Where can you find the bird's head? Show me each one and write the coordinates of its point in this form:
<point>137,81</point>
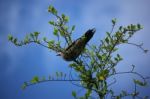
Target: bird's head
<point>64,56</point>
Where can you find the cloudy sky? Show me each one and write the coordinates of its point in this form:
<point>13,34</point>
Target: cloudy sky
<point>19,64</point>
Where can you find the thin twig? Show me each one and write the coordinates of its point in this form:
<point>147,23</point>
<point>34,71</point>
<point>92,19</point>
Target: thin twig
<point>139,46</point>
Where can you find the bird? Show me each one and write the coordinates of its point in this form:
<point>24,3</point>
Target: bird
<point>76,47</point>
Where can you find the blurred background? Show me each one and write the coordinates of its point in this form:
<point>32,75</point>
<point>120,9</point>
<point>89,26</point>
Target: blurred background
<point>19,64</point>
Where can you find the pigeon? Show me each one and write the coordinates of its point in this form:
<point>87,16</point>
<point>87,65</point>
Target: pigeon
<point>77,47</point>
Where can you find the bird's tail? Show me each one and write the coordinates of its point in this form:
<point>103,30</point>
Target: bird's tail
<point>89,34</point>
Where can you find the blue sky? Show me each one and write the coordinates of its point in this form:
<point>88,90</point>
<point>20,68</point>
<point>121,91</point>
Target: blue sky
<point>19,64</point>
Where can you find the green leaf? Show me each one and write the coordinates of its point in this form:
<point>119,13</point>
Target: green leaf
<point>73,27</point>
<point>51,22</point>
<point>140,83</point>
<point>107,40</point>
<point>74,94</point>
<point>66,19</point>
<point>58,43</point>
<point>114,21</point>
<point>63,16</point>
<point>73,65</point>
<point>15,41</point>
<point>31,35</point>
<point>26,40</point>
<point>36,34</point>
<point>52,10</point>
<point>111,92</point>
<point>108,34</point>
<point>102,75</point>
<point>115,49</point>
<point>35,79</point>
<point>133,27</point>
<point>24,85</point>
<point>65,28</point>
<point>51,43</point>
<point>120,28</point>
<point>62,33</point>
<point>88,93</point>
<point>139,26</point>
<point>10,37</point>
<point>116,59</point>
<point>45,39</point>
<point>55,32</point>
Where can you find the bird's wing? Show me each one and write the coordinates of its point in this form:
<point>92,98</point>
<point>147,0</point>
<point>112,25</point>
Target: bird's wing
<point>72,44</point>
<point>82,40</point>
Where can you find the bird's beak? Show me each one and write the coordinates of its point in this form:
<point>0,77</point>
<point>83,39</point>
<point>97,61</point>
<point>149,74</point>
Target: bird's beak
<point>59,54</point>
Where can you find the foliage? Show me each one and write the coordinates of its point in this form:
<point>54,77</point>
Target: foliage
<point>95,65</point>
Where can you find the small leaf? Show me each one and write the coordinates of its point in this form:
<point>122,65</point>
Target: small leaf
<point>73,28</point>
<point>15,41</point>
<point>35,79</point>
<point>24,85</point>
<point>62,33</point>
<point>74,94</point>
<point>120,28</point>
<point>101,78</point>
<point>133,27</point>
<point>31,35</point>
<point>63,16</point>
<point>108,34</point>
<point>36,34</point>
<point>73,65</point>
<point>114,21</point>
<point>139,26</point>
<point>140,83</point>
<point>51,42</point>
<point>45,39</point>
<point>51,22</point>
<point>10,37</point>
<point>26,40</point>
<point>111,92</point>
<point>88,93</point>
<point>107,40</point>
<point>66,28</point>
<point>52,10</point>
<point>55,32</point>
<point>102,75</point>
<point>66,19</point>
<point>129,27</point>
